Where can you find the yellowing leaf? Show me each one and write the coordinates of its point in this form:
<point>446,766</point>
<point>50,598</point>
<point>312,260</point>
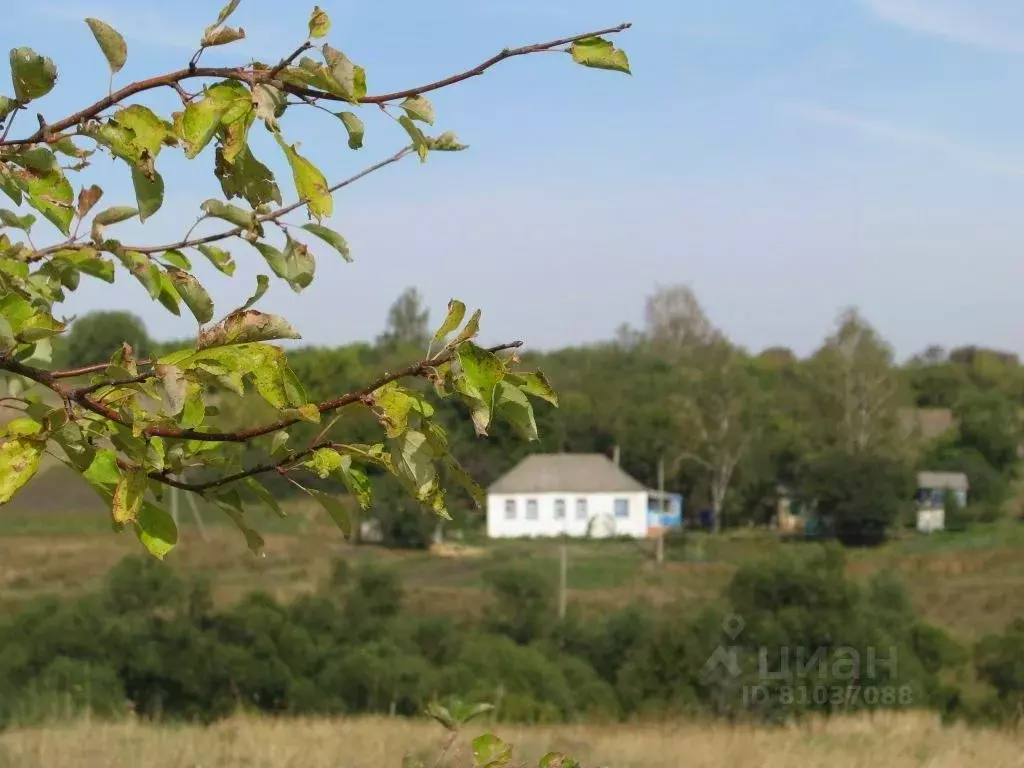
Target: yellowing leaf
<point>221,36</point>
<point>413,458</point>
<point>419,141</point>
<point>456,311</point>
<point>309,182</point>
<point>244,327</point>
<point>42,181</point>
<point>482,370</point>
<point>226,11</point>
<point>262,283</point>
<point>419,108</point>
<point>343,78</point>
<point>511,404</point>
<point>491,752</point>
<point>599,53</point>
<point>231,213</point>
<point>87,198</point>
<point>177,258</point>
<point>536,384</point>
<point>19,461</point>
<point>114,215</point>
<point>111,43</point>
<point>128,496</point>
<point>149,192</point>
<point>323,462</point>
<point>247,178</point>
<point>33,75</point>
<point>319,23</point>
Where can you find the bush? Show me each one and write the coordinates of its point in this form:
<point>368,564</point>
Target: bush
<point>999,661</point>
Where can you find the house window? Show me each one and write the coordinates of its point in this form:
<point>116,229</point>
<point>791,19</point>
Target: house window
<point>581,509</point>
<point>510,509</point>
<point>559,509</point>
<point>531,509</point>
<point>622,507</point>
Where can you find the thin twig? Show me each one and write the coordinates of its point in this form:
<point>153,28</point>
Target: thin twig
<point>286,61</point>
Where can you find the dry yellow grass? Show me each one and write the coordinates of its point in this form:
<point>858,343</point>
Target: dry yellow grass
<point>893,741</point>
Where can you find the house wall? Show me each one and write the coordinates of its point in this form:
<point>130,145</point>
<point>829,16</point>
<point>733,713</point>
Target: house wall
<point>600,512</point>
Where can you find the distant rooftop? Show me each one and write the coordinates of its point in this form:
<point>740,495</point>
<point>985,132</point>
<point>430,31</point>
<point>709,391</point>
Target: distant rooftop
<point>943,481</point>
<point>566,473</point>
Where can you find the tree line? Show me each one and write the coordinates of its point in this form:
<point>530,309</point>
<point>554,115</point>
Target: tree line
<point>844,428</point>
<point>811,641</point>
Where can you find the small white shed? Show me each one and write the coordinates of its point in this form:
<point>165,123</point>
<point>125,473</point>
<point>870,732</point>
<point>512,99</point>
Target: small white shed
<point>932,488</point>
<point>574,494</point>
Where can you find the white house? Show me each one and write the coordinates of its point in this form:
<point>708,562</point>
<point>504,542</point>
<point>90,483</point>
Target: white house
<point>932,488</point>
<point>574,494</point>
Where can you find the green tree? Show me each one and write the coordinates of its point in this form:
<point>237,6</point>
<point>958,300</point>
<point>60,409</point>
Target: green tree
<point>98,335</point>
<point>408,322</point>
<point>133,428</point>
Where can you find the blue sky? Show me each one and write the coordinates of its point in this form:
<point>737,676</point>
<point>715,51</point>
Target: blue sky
<point>786,158</point>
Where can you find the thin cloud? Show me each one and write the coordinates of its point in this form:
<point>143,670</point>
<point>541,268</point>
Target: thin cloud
<point>993,24</point>
<point>962,153</point>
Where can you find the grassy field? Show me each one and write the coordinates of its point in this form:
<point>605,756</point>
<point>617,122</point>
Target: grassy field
<point>895,741</point>
<point>970,582</point>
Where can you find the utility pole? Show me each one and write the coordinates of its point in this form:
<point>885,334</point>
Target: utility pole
<point>660,551</point>
<point>563,576</point>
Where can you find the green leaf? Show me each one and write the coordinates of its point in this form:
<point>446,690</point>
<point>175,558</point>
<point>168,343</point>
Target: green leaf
<point>511,404</point>
<point>262,283</point>
<point>599,53</point>
<point>156,530</point>
<point>440,713</point>
<point>483,370</point>
<point>355,128</point>
<point>22,427</point>
<point>110,42</point>
<point>419,141</point>
<point>128,496</point>
<point>247,178</point>
<point>491,752</point>
<point>19,461</point>
<point>226,11</point>
<point>11,219</point>
<point>413,459</point>
<point>148,134</point>
<point>41,179</point>
<point>466,712</point>
<point>446,142</point>
<point>244,327</point>
<point>323,462</point>
<point>177,258</point>
<point>535,383</point>
<point>7,105</point>
<point>219,258</point>
<point>319,23</point>
<point>472,329</point>
<point>263,495</point>
<point>114,215</point>
<point>274,258</point>
<point>221,36</point>
<point>230,213</point>
<point>418,108</point>
<point>331,237</point>
<point>299,264</point>
<point>225,103</point>
<point>336,509</point>
<point>87,199</point>
<point>149,192</point>
<point>357,482</point>
<point>88,260</point>
<point>192,293</point>
<point>33,75</point>
<point>309,182</point>
<point>456,311</point>
<point>167,292</point>
<point>143,270</point>
<point>231,503</point>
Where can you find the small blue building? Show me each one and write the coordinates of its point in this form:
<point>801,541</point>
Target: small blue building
<point>664,512</point>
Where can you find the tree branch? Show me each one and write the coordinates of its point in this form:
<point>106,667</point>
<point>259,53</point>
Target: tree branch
<point>239,73</point>
<point>81,396</point>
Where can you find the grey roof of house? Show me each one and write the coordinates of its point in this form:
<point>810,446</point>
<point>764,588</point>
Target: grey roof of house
<point>566,473</point>
<point>952,481</point>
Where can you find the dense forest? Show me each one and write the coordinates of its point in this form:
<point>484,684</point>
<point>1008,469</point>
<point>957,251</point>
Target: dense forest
<point>153,644</point>
<point>846,427</point>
